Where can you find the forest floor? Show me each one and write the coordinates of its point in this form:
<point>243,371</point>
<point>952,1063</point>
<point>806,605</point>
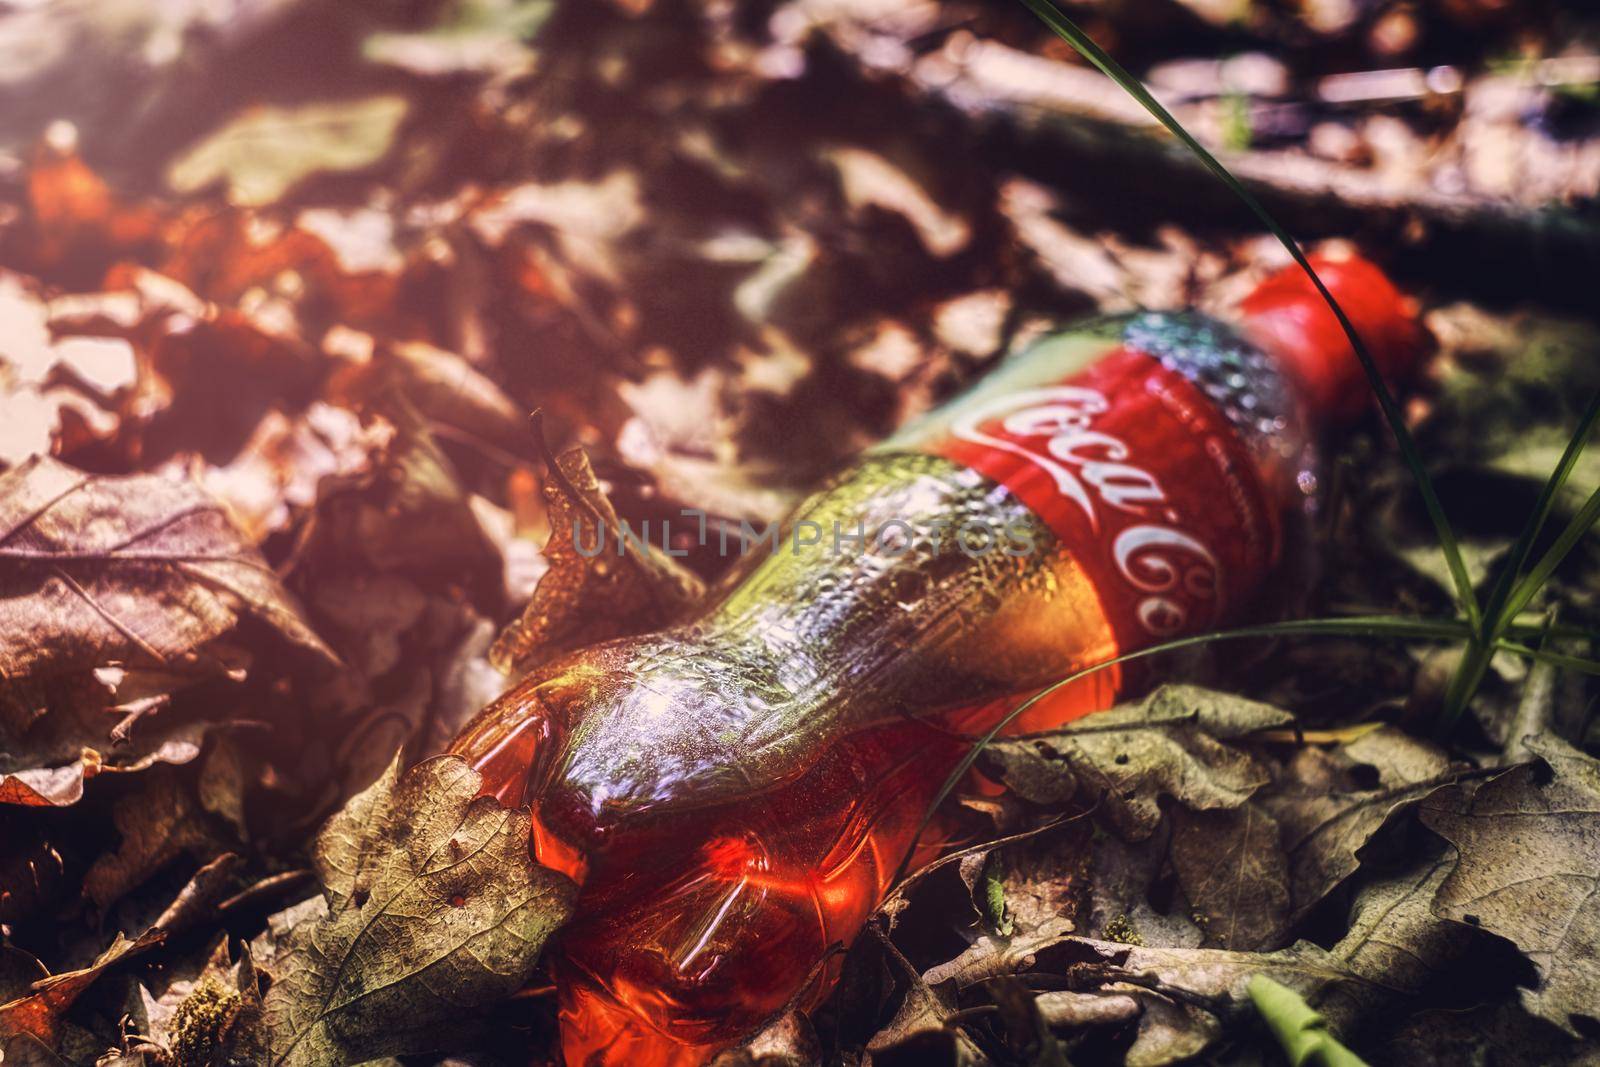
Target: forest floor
<point>281,280</point>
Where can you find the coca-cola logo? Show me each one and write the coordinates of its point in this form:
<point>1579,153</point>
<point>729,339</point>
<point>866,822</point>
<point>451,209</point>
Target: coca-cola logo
<point>1053,429</point>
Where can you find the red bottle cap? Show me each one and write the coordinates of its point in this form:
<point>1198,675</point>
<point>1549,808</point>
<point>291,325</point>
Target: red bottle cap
<point>1290,319</point>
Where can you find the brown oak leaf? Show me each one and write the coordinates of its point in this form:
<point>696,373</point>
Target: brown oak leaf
<point>138,569</point>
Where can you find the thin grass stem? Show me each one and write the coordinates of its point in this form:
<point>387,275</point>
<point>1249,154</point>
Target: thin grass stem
<point>1536,578</point>
<point>1495,614</point>
<point>1070,32</point>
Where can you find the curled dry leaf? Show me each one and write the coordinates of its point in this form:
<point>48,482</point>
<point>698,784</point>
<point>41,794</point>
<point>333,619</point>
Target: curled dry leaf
<point>59,732</point>
<point>1528,869</point>
<point>446,389</point>
<point>1328,818</point>
<point>434,910</point>
<point>1395,939</point>
<point>196,903</point>
<point>37,1014</point>
<point>594,588</point>
<point>921,1026</point>
<point>140,569</point>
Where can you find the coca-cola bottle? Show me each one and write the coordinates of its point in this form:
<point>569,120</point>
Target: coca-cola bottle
<point>736,792</point>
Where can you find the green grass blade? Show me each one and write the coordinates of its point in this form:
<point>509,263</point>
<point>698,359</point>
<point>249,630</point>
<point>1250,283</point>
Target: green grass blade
<point>1572,663</point>
<point>1535,579</point>
<point>1496,617</point>
<point>1069,31</point>
<point>1469,674</point>
<point>1399,627</point>
<point>1563,631</point>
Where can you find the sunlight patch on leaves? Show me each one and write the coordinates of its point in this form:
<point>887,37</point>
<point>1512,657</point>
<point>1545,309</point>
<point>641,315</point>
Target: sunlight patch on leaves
<point>474,36</point>
<point>263,153</point>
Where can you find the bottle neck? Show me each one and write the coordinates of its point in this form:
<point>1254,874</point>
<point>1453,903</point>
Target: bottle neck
<point>1290,316</point>
<point>1298,349</point>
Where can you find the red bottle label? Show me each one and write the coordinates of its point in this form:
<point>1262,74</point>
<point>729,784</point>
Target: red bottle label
<point>1139,475</point>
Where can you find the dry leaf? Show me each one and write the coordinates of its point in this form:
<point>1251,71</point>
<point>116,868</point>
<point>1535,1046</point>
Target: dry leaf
<point>434,910</point>
<point>590,595</point>
<point>1122,880</point>
<point>1187,994</point>
<point>38,1013</point>
<point>1031,893</point>
<point>95,570</point>
<point>71,214</point>
<point>788,1042</point>
<point>408,514</point>
<point>156,824</point>
<point>57,733</point>
<point>449,390</point>
<point>1326,822</point>
<point>1233,870</point>
<point>1529,870</point>
<point>1131,756</point>
<point>919,1029</point>
<point>224,776</point>
<point>1394,938</point>
<point>274,477</point>
<point>1503,1034</point>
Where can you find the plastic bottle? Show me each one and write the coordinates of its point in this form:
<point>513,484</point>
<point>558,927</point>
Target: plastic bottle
<point>735,793</point>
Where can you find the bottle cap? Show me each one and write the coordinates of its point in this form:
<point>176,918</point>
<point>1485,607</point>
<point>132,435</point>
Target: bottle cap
<point>1288,317</point>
